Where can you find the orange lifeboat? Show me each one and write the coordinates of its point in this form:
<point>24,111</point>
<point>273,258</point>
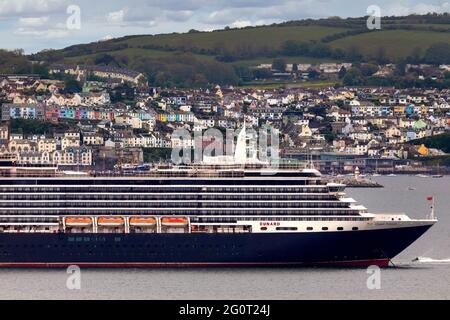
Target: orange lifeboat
<point>78,221</point>
<point>174,222</point>
<point>111,221</point>
<point>142,221</point>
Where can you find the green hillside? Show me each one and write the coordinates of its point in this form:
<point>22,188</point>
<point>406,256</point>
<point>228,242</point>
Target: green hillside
<point>397,44</point>
<point>236,39</point>
<point>223,56</point>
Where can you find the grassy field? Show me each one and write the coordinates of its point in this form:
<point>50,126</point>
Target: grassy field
<point>257,37</point>
<point>397,43</point>
<point>131,53</point>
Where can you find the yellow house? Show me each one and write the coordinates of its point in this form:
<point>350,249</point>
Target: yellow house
<point>423,151</point>
<point>306,131</point>
<point>393,132</point>
<point>399,110</point>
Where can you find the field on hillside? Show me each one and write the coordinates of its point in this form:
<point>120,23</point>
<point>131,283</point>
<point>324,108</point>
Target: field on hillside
<point>397,43</point>
<point>132,54</point>
<point>258,37</point>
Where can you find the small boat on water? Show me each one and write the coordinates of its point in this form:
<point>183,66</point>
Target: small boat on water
<point>411,188</point>
<point>436,176</point>
<point>431,260</point>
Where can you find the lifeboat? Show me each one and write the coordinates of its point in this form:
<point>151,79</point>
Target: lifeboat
<point>142,221</point>
<point>174,222</point>
<point>78,221</point>
<point>111,221</point>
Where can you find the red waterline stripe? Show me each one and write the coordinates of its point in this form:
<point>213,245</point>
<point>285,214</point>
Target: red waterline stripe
<point>354,263</point>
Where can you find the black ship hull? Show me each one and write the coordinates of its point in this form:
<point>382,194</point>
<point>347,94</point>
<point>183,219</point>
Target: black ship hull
<point>344,248</point>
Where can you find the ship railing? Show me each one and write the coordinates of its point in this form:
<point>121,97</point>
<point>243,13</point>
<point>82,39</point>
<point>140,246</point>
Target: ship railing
<point>195,170</point>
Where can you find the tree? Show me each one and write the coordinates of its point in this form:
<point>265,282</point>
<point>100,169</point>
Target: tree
<point>313,74</point>
<point>320,50</point>
<point>105,59</point>
<point>368,69</point>
<point>72,85</point>
<point>354,54</point>
<point>279,64</point>
<point>438,53</point>
<point>14,62</point>
<point>400,68</point>
<point>342,72</point>
<point>40,69</point>
<point>380,55</point>
<point>353,77</point>
<point>261,74</point>
<point>243,72</point>
<point>416,55</point>
<point>290,48</point>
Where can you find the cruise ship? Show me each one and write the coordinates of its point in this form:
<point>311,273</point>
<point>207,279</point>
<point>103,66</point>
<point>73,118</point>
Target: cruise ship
<point>196,216</point>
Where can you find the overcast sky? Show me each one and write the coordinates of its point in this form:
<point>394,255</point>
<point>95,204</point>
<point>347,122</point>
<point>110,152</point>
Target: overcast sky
<point>41,24</point>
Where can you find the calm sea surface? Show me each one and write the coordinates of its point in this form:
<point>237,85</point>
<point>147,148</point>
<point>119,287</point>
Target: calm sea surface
<point>427,279</point>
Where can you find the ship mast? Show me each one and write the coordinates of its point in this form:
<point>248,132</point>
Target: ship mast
<point>432,213</point>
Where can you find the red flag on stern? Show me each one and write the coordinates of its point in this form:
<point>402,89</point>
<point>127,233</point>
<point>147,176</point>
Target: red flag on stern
<point>430,198</point>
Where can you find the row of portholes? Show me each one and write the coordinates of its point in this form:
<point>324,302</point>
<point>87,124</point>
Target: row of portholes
<point>308,229</point>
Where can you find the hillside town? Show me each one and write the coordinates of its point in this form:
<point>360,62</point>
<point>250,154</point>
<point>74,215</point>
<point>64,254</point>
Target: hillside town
<point>117,119</point>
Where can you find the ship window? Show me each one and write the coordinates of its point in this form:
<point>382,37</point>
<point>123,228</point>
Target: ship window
<point>340,228</point>
<point>287,228</point>
<point>355,228</point>
<point>264,229</point>
<point>310,228</point>
<point>324,228</point>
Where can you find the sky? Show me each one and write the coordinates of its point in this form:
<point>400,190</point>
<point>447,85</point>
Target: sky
<point>34,25</point>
